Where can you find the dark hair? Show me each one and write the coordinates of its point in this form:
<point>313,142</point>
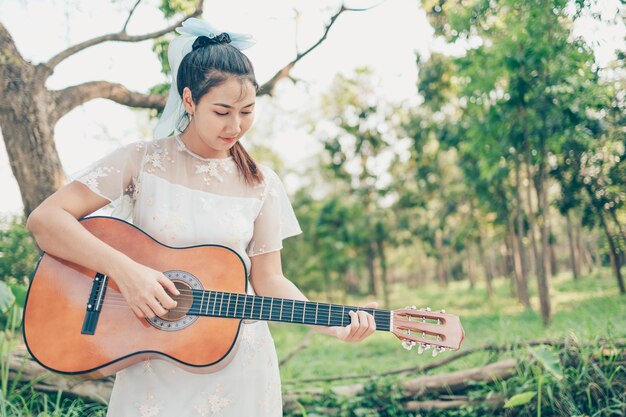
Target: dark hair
<point>211,62</point>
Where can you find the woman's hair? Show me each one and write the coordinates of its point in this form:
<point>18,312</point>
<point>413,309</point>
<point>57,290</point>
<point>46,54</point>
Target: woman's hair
<point>210,63</point>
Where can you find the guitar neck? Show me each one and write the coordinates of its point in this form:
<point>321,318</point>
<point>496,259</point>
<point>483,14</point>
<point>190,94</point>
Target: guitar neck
<point>254,307</point>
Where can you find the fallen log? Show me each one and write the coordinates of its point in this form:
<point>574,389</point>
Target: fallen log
<point>25,370</point>
<point>458,381</point>
<point>614,346</point>
<point>452,382</point>
<point>493,403</point>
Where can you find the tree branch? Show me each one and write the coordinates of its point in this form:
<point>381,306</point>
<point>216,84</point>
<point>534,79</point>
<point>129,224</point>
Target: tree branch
<point>119,36</point>
<point>130,15</point>
<point>74,96</point>
<point>268,87</point>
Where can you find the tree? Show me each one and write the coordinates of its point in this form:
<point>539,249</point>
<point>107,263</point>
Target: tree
<point>361,133</point>
<point>29,110</point>
<point>517,86</point>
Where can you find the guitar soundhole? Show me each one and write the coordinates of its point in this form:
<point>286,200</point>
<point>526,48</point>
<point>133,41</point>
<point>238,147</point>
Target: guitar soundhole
<point>177,318</point>
<point>184,301</point>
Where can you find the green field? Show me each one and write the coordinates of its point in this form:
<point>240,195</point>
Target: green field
<point>585,310</point>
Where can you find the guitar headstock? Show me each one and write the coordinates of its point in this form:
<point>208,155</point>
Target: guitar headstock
<point>427,329</point>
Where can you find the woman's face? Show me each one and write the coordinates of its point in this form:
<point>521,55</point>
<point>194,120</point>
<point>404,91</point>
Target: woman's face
<point>220,118</point>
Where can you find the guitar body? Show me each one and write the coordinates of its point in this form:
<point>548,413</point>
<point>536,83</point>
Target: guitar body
<point>57,299</point>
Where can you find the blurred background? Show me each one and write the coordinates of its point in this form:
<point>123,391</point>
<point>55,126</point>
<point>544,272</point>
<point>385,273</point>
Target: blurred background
<point>461,155</point>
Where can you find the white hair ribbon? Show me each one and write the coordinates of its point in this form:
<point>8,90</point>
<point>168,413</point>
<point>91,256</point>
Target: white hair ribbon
<point>180,46</point>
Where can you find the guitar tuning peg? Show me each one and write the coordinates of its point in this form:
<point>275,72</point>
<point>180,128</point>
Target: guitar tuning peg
<point>420,349</point>
<point>438,350</point>
<point>442,311</point>
<point>413,308</point>
<point>428,309</point>
<point>408,344</point>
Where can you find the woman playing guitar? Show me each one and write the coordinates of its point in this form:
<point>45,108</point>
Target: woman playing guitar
<point>194,186</point>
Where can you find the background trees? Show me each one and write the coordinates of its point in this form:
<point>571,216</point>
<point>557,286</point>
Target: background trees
<point>509,162</point>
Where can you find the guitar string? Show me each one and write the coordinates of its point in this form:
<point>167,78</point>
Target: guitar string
<point>266,317</point>
<point>335,320</point>
<point>120,301</point>
<point>298,309</point>
<point>117,300</point>
<point>117,296</point>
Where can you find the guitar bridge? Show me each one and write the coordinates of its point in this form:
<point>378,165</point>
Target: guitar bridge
<point>94,304</point>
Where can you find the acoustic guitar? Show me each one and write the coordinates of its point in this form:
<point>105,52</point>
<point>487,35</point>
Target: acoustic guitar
<point>77,322</point>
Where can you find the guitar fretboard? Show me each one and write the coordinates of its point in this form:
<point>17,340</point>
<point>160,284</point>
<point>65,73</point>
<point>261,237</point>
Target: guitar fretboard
<point>254,307</point>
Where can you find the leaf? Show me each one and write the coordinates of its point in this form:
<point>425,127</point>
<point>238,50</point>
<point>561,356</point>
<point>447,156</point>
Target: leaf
<point>549,360</point>
<point>6,297</point>
<point>520,399</point>
<point>19,291</point>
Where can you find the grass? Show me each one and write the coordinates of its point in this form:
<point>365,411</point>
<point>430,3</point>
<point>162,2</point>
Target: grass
<point>586,309</point>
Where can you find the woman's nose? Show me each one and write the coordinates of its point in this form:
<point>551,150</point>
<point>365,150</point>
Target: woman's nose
<point>233,127</point>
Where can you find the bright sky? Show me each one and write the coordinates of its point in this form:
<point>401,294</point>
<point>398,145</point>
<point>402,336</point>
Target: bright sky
<point>384,38</point>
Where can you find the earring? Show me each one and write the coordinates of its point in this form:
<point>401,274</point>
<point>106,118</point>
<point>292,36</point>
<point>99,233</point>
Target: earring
<point>190,116</point>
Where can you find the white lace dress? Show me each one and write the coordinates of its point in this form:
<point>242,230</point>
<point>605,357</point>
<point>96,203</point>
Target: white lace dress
<point>182,199</point>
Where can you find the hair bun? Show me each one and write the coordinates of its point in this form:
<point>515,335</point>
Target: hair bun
<point>212,39</point>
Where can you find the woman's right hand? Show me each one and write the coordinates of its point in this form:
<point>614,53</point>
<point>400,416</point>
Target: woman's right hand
<point>143,288</point>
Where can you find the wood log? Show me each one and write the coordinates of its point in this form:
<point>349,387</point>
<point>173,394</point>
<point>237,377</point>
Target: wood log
<point>452,382</point>
<point>493,403</point>
<point>24,369</point>
<point>457,381</point>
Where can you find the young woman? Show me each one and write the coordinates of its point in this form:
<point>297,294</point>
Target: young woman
<point>196,186</point>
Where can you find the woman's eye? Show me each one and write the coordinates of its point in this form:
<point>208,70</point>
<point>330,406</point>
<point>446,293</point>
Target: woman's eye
<point>246,112</point>
<point>221,114</point>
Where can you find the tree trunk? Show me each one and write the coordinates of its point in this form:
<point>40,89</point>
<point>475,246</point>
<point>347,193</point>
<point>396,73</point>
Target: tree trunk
<point>445,262</point>
<point>520,279</point>
<point>537,265</point>
<point>372,288</point>
<point>383,271</point>
<point>471,273</point>
<point>554,265</point>
<point>619,226</point>
<point>595,254</point>
<point>542,282</point>
<point>613,254</point>
<point>520,225</point>
<point>487,267</point>
<point>441,275</point>
<point>585,255</point>
<point>27,117</point>
<point>573,247</point>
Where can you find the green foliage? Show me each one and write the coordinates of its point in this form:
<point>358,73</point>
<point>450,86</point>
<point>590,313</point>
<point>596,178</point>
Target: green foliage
<point>520,399</point>
<point>7,299</point>
<point>591,383</point>
<point>173,7</point>
<point>380,398</point>
<point>18,252</point>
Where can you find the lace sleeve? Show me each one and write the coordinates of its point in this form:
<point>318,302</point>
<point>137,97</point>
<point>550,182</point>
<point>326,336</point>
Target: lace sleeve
<point>276,219</point>
<point>115,177</point>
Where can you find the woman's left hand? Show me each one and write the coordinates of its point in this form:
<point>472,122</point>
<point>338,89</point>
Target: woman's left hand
<point>362,325</point>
